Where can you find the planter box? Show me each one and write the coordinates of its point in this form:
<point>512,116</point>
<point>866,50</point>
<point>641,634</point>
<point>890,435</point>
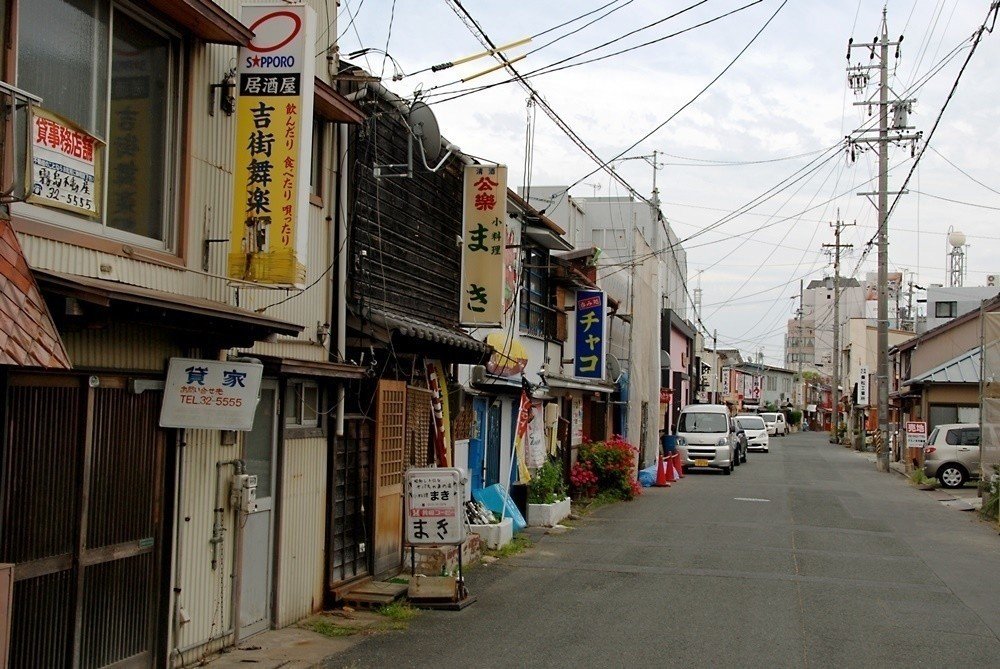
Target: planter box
<point>495,536</point>
<point>548,515</point>
<point>433,560</point>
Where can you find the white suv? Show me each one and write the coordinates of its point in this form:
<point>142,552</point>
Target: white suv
<point>706,437</point>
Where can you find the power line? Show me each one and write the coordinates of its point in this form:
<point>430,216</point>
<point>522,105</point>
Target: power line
<point>987,187</point>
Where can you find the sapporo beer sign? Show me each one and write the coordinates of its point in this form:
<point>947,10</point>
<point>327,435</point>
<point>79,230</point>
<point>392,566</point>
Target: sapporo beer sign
<point>484,226</point>
<point>274,116</point>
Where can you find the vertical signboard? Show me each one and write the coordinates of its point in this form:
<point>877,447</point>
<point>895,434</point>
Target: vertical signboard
<point>591,333</point>
<point>64,165</point>
<point>273,145</point>
<point>863,387</point>
<point>484,227</point>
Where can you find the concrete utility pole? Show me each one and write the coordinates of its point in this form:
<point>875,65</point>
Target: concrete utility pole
<point>717,372</point>
<point>837,226</point>
<point>802,387</point>
<point>858,77</point>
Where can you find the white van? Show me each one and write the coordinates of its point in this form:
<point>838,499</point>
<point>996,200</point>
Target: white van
<point>776,425</point>
<point>706,437</point>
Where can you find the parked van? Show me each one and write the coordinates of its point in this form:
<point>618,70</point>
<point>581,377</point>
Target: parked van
<point>706,437</point>
<point>776,425</point>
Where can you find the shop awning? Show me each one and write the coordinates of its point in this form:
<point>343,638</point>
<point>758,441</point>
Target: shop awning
<point>213,322</point>
<point>334,107</point>
<point>205,19</point>
<point>413,335</point>
<point>314,368</point>
<point>566,383</point>
<point>547,238</point>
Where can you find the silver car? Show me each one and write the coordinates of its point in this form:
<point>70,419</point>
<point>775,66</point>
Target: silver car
<point>952,454</point>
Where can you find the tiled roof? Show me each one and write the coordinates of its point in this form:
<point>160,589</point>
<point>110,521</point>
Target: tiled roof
<point>28,337</point>
<point>960,369</point>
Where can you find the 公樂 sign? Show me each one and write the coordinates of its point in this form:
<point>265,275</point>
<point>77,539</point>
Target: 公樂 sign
<point>484,232</point>
<point>209,394</point>
<point>434,513</point>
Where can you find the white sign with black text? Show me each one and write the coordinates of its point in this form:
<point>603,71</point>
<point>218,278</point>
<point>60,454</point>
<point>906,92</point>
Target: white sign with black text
<point>433,509</point>
<point>863,387</point>
<point>210,394</point>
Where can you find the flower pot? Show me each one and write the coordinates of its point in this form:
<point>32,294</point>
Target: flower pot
<point>496,535</point>
<point>548,515</point>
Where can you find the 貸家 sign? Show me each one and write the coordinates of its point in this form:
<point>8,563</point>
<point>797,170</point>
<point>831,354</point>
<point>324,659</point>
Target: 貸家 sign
<point>210,394</point>
<point>64,165</point>
<point>484,227</point>
<point>433,509</point>
<point>916,434</point>
<point>591,333</point>
<point>274,118</point>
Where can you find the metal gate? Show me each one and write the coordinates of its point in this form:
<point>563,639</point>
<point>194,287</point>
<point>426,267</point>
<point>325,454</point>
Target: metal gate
<point>350,500</point>
<point>81,490</point>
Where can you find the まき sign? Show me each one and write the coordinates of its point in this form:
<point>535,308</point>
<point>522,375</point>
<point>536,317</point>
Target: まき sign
<point>210,394</point>
<point>484,227</point>
<point>64,165</point>
<point>434,501</point>
<point>591,333</point>
<point>274,116</point>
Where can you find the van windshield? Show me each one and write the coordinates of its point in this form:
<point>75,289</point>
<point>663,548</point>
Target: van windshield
<point>694,421</point>
<point>770,417</point>
<point>750,423</point>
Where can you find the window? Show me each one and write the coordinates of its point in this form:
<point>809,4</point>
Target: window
<point>318,155</point>
<point>302,404</point>
<point>692,422</point>
<point>535,313</point>
<point>945,309</point>
<point>65,50</point>
<point>970,436</point>
<point>953,437</point>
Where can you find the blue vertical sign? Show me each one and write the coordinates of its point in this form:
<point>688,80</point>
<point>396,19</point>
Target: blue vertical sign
<point>591,334</point>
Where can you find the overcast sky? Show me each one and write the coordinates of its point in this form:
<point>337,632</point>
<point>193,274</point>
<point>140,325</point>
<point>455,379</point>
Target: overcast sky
<point>786,96</point>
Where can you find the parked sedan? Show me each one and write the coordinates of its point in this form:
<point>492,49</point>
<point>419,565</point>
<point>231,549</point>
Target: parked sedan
<point>756,432</point>
<point>952,454</point>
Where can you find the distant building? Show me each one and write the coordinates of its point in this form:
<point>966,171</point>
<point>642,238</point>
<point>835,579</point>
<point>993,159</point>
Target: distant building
<point>945,302</point>
<point>810,341</point>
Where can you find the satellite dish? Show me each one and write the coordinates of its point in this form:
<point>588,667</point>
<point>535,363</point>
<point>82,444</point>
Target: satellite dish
<point>956,239</point>
<point>614,369</point>
<point>425,129</point>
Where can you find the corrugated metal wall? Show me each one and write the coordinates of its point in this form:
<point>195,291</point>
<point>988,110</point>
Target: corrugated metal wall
<point>303,530</point>
<point>120,346</point>
<point>206,595</point>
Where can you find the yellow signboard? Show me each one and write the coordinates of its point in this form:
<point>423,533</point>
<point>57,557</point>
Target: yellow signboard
<point>273,146</point>
<point>484,225</point>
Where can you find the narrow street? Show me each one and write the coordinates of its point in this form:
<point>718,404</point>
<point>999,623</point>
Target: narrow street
<point>805,557</point>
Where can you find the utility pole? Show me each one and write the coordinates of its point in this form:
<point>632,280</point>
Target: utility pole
<point>837,226</point>
<point>717,372</point>
<point>801,313</point>
<point>858,78</point>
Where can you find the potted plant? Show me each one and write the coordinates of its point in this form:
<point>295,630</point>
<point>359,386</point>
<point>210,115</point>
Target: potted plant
<point>794,419</point>
<point>548,502</point>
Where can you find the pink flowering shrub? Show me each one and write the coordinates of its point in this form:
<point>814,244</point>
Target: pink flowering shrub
<point>606,467</point>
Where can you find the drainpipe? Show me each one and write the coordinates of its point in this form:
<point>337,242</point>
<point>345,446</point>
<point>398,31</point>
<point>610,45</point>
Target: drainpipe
<point>178,534</point>
<point>340,218</point>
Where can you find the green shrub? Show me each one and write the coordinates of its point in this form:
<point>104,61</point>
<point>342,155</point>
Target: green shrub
<point>547,484</point>
<point>794,417</point>
<point>606,467</point>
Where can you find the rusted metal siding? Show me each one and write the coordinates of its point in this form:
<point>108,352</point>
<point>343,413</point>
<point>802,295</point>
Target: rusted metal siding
<point>303,529</point>
<point>205,594</point>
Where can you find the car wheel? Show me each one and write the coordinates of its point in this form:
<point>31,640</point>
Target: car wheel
<point>728,470</point>
<point>743,457</point>
<point>735,458</point>
<point>952,476</point>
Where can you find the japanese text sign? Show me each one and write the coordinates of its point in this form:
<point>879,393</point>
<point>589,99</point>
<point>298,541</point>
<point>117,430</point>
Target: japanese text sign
<point>863,387</point>
<point>434,507</point>
<point>210,394</point>
<point>484,227</point>
<point>64,166</point>
<point>274,119</point>
<point>591,334</point>
<point>916,434</point>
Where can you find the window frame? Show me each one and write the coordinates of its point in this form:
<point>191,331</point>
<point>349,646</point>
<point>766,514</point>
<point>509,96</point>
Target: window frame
<point>299,386</point>
<point>535,318</point>
<point>50,222</point>
<point>318,160</point>
<point>952,306</point>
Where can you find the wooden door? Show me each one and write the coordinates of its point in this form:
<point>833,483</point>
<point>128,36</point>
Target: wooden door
<point>390,443</point>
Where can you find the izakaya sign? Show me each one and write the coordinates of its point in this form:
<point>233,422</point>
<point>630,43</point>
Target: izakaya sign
<point>64,165</point>
<point>591,334</point>
<point>273,145</point>
<point>484,227</point>
<point>434,507</point>
<point>210,394</point>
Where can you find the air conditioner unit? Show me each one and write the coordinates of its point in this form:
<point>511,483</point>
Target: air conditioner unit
<point>993,280</point>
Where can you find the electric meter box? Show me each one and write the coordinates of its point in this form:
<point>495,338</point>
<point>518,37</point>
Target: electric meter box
<point>244,492</point>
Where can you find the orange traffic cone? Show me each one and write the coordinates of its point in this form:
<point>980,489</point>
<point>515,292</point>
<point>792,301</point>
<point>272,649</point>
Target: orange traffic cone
<point>661,473</point>
<point>675,460</point>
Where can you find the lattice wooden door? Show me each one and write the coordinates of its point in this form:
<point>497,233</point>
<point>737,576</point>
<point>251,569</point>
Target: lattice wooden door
<point>390,443</point>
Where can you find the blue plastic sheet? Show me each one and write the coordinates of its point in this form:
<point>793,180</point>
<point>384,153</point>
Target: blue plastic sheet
<point>647,476</point>
<point>496,499</point>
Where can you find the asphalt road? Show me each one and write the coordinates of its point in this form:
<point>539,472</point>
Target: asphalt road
<point>805,557</point>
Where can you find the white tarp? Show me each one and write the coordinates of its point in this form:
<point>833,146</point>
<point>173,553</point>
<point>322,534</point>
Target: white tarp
<point>990,407</point>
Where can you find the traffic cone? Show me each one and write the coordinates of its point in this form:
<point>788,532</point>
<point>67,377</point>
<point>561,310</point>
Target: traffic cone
<point>661,473</point>
<point>675,460</point>
<point>671,472</point>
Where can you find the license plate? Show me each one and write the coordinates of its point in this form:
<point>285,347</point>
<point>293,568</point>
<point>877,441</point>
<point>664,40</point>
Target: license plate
<point>701,463</point>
